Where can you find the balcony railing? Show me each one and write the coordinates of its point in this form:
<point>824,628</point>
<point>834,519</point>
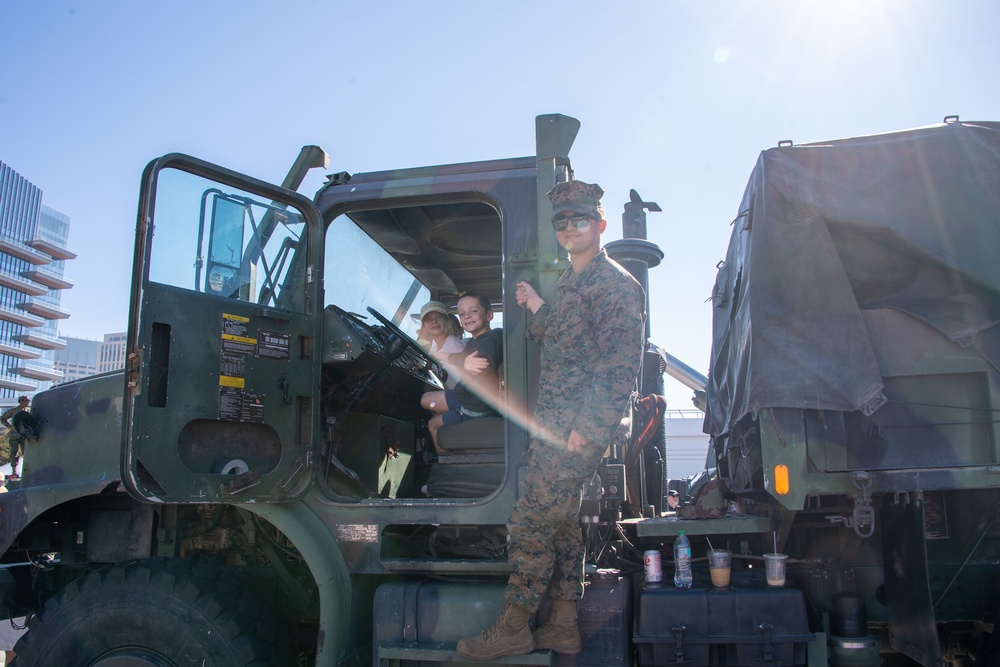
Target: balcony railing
<point>40,340</point>
<point>12,350</point>
<point>55,250</point>
<point>7,382</point>
<point>19,317</point>
<point>36,371</point>
<point>24,252</point>
<point>47,278</point>
<point>45,310</point>
<point>21,285</point>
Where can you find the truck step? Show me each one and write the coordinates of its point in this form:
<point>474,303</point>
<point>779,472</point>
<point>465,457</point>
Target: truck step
<point>391,654</point>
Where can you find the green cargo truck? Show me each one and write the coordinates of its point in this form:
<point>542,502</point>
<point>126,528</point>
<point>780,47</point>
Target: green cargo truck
<point>258,487</point>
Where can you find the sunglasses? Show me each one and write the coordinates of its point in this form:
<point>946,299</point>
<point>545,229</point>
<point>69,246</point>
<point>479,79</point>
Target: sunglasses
<point>580,222</point>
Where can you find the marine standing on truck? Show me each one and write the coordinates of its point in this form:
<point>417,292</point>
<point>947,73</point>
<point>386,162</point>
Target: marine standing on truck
<point>15,440</point>
<point>592,341</point>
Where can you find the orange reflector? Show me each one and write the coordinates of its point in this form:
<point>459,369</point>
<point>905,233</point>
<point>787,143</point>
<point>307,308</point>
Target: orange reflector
<point>781,480</point>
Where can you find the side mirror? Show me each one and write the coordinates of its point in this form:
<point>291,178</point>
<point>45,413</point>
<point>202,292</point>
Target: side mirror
<point>225,246</point>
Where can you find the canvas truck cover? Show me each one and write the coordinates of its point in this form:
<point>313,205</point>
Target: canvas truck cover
<point>908,221</point>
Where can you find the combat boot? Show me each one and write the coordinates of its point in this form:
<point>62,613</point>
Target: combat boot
<point>562,632</point>
<point>510,635</point>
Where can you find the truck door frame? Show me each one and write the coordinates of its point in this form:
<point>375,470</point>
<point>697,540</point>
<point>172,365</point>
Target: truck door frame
<point>174,431</point>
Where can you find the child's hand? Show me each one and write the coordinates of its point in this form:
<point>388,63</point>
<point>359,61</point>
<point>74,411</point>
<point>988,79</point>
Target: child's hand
<point>475,364</point>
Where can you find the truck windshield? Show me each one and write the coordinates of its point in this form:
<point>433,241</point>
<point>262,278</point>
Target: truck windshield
<point>359,273</point>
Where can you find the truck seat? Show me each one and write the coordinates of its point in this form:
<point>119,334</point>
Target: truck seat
<point>483,433</point>
<point>472,461</point>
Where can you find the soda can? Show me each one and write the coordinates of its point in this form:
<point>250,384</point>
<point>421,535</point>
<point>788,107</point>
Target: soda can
<point>653,566</point>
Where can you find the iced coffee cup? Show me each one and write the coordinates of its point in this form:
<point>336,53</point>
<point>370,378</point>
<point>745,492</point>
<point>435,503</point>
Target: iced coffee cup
<point>774,567</point>
<point>719,561</point>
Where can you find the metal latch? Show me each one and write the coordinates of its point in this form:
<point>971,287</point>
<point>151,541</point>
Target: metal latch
<point>133,364</point>
<point>766,651</point>
<point>679,658</point>
<point>862,518</point>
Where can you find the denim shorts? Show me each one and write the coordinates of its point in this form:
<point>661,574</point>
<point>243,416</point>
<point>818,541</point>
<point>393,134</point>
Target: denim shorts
<point>454,414</point>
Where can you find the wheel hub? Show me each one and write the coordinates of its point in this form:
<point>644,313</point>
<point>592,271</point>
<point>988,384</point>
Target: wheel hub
<point>133,656</point>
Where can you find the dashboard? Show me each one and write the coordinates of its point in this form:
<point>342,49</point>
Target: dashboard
<point>359,368</point>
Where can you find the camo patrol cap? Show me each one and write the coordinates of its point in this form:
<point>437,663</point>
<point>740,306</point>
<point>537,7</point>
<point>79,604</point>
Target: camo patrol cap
<point>576,197</point>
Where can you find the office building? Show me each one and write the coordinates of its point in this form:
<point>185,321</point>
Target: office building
<point>33,252</point>
<point>111,353</point>
<point>77,360</point>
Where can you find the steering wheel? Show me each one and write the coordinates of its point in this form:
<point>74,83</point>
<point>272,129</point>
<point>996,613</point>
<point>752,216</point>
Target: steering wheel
<point>412,344</point>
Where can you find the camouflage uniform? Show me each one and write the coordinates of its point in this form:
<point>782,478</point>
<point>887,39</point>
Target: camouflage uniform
<point>12,441</point>
<point>592,338</point>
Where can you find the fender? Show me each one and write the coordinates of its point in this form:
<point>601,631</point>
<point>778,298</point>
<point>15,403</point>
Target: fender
<point>18,508</point>
<point>326,563</point>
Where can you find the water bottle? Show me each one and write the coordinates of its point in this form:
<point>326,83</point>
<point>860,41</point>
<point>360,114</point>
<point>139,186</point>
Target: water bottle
<point>682,561</point>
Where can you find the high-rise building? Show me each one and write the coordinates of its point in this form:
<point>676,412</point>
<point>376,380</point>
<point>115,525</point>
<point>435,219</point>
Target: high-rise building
<point>111,353</point>
<point>78,359</point>
<point>33,251</point>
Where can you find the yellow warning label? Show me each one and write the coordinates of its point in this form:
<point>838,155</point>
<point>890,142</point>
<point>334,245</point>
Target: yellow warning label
<point>230,381</point>
<point>235,325</point>
<point>240,339</point>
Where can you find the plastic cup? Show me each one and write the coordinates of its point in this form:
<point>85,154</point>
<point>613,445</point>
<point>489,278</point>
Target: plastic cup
<point>774,567</point>
<point>719,561</point>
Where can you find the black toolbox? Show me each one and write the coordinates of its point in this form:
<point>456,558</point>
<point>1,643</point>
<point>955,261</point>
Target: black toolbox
<point>749,625</point>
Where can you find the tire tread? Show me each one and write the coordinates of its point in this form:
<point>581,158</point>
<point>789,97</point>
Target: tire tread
<point>219,599</point>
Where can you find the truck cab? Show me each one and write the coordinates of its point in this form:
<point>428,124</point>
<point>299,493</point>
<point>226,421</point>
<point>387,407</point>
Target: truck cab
<point>272,337</point>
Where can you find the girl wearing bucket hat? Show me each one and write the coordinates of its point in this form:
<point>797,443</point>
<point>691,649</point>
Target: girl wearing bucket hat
<point>435,335</point>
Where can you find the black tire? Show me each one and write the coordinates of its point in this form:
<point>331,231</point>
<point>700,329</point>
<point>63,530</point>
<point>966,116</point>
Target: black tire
<point>157,612</point>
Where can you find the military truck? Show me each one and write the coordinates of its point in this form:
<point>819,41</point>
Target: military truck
<point>258,487</point>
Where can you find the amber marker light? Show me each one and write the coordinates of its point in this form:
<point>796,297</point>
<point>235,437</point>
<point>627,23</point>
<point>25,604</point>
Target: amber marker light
<point>781,479</point>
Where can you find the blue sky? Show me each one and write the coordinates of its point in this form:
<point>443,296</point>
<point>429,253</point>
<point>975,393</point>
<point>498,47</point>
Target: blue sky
<point>676,100</point>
